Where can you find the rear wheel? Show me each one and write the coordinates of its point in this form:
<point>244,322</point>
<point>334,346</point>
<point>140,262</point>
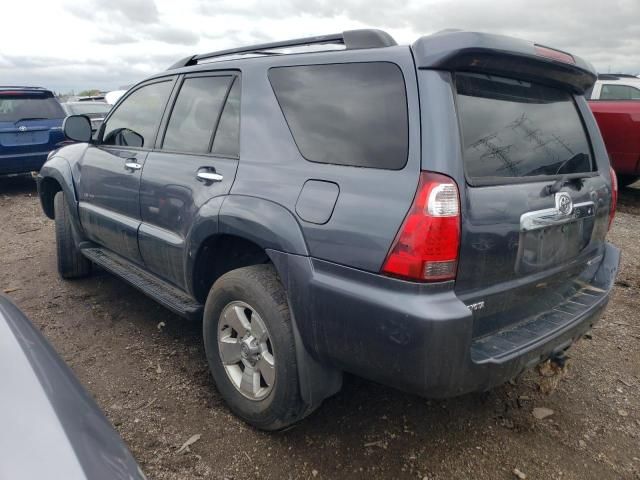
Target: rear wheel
<point>626,180</point>
<point>250,347</point>
<point>71,262</point>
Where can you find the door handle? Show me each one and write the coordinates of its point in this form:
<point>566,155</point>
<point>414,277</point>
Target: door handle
<point>209,176</point>
<point>132,165</point>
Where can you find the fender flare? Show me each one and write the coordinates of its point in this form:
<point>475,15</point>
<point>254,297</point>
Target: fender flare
<point>267,224</point>
<point>58,169</point>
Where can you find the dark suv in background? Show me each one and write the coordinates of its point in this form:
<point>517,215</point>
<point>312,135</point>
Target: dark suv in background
<point>30,127</point>
<point>432,217</point>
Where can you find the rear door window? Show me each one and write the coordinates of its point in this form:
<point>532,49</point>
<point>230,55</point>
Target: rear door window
<point>346,114</point>
<point>513,129</point>
<point>196,113</point>
<point>25,106</point>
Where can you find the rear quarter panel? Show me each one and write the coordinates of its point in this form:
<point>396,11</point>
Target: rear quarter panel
<point>371,204</point>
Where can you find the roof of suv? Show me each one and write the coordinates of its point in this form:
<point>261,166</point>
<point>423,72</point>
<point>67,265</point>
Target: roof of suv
<point>444,50</point>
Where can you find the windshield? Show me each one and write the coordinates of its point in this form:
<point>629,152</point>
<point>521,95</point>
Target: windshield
<point>89,107</point>
<point>28,107</point>
<point>513,128</point>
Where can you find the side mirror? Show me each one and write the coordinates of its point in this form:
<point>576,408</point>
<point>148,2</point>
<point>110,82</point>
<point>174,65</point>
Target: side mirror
<point>77,128</point>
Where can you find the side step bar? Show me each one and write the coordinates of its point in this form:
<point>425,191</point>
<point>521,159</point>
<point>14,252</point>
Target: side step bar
<point>162,292</point>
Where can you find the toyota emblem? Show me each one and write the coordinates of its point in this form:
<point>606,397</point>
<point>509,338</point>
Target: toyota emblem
<point>564,204</point>
<point>22,128</point>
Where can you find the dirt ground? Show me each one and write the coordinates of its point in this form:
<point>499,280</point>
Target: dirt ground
<point>152,381</point>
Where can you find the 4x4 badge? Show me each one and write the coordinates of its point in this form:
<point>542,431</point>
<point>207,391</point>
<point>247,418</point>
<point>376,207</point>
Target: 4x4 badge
<point>564,204</point>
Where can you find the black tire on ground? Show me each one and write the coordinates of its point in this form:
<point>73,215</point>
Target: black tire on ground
<point>259,287</point>
<point>626,180</point>
<point>71,263</point>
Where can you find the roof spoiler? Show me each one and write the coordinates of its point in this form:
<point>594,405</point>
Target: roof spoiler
<point>456,50</point>
<point>351,39</point>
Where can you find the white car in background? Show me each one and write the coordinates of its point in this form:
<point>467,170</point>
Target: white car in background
<point>615,86</point>
<point>112,97</point>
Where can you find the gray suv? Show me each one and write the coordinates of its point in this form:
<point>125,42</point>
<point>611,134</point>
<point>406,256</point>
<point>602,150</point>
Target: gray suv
<point>431,217</point>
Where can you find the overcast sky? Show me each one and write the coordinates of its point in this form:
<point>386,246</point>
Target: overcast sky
<point>81,44</point>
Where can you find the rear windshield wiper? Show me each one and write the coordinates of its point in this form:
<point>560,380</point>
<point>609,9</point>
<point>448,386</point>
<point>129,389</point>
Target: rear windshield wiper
<point>556,186</point>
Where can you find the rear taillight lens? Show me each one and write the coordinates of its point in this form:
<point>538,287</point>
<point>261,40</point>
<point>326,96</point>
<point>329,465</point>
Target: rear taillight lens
<point>614,196</point>
<point>426,247</point>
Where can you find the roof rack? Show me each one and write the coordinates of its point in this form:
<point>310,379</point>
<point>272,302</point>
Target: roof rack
<point>351,39</point>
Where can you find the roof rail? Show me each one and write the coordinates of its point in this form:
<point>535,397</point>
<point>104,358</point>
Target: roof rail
<point>351,39</point>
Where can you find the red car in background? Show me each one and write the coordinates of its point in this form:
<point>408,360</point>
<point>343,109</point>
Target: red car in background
<point>615,102</point>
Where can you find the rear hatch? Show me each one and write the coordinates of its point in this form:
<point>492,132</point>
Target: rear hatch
<point>536,208</point>
<point>30,121</point>
<point>534,182</point>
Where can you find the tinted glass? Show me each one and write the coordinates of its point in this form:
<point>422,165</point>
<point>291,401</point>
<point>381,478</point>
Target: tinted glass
<point>346,114</point>
<point>195,114</point>
<point>619,92</point>
<point>24,107</point>
<point>513,128</point>
<point>227,140</point>
<point>139,113</point>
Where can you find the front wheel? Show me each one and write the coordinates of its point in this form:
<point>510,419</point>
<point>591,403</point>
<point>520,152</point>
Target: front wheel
<point>250,347</point>
<point>71,262</point>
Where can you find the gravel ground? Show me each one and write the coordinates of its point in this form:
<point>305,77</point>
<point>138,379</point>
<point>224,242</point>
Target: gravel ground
<point>147,370</point>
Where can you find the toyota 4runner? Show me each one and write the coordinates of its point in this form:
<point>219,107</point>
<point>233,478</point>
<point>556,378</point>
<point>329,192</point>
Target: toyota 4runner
<point>431,217</point>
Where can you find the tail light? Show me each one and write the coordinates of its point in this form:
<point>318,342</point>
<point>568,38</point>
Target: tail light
<point>426,247</point>
<point>614,196</point>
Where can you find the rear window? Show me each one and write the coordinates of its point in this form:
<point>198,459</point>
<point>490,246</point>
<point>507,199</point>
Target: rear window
<point>16,107</point>
<point>346,114</point>
<point>513,129</point>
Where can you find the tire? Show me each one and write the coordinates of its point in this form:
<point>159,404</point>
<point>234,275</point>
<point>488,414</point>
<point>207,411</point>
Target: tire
<point>71,263</point>
<point>626,180</point>
<point>254,290</point>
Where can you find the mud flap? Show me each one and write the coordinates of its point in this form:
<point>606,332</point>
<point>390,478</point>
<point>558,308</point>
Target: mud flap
<point>317,380</point>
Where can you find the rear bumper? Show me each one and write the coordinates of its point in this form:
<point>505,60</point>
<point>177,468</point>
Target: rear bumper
<point>22,162</point>
<point>419,338</point>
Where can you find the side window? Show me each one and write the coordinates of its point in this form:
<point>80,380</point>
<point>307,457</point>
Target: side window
<point>227,139</point>
<point>619,92</point>
<point>196,113</point>
<point>136,120</point>
<point>346,114</point>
